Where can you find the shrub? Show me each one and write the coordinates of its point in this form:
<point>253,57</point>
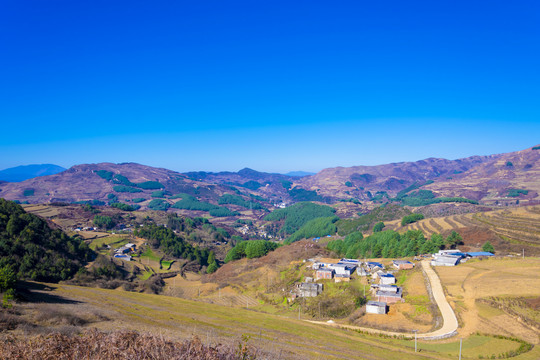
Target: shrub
<point>158,204</point>
<point>128,189</point>
<point>409,219</point>
<point>158,194</point>
<point>104,174</point>
<point>378,227</point>
<point>28,192</point>
<point>150,185</point>
<point>105,222</point>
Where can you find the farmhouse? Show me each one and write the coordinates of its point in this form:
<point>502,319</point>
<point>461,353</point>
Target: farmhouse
<point>402,264</point>
<point>324,273</point>
<point>390,297</point>
<point>373,266</point>
<point>123,250</point>
<point>445,260</point>
<point>387,279</point>
<point>376,307</point>
<point>342,269</point>
<point>309,289</point>
<point>353,262</point>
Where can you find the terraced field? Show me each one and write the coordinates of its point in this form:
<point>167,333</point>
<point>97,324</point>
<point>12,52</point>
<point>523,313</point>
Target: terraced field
<point>512,229</point>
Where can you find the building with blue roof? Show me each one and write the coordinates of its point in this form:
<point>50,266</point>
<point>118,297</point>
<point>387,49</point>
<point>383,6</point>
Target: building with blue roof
<point>479,254</point>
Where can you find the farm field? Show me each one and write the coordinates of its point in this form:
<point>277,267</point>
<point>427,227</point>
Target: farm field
<point>276,336</point>
<point>495,296</point>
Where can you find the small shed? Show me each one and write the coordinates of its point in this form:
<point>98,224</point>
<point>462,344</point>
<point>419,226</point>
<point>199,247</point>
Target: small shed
<point>478,254</point>
<point>388,288</point>
<point>376,307</point>
<point>309,289</point>
<point>362,271</point>
<point>402,264</point>
<point>387,279</point>
<point>324,273</point>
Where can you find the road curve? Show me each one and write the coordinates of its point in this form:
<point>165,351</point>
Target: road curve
<point>450,323</point>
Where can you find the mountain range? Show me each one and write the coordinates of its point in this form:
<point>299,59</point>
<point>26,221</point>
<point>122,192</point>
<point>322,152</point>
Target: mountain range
<point>480,179</point>
<point>25,172</point>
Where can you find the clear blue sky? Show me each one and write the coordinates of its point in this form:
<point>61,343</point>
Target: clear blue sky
<point>275,86</point>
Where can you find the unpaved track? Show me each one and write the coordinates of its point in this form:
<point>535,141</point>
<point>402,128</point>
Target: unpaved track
<point>450,323</point>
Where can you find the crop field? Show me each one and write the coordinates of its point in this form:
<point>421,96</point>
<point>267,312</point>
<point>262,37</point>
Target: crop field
<point>276,336</point>
<point>492,296</point>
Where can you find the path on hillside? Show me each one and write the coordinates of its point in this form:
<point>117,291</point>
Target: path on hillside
<point>450,323</point>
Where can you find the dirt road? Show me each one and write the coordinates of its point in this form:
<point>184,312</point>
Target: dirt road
<point>450,323</point>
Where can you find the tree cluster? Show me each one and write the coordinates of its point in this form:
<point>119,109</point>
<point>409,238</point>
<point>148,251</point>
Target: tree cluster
<point>390,244</point>
<point>315,228</point>
<point>171,244</point>
<point>250,249</point>
<point>295,216</point>
<point>32,250</point>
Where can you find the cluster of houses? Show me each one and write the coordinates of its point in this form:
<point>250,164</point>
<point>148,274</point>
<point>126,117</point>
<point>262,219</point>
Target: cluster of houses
<point>124,252</point>
<point>455,256</point>
<point>386,292</point>
<point>383,287</point>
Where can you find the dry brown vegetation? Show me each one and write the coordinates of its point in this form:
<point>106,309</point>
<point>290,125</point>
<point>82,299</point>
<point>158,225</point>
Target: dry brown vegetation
<point>119,345</point>
<point>485,293</point>
<point>508,230</point>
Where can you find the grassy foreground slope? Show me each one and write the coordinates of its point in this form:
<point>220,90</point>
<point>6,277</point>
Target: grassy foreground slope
<point>272,336</point>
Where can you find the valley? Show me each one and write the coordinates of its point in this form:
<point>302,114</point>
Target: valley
<point>226,257</point>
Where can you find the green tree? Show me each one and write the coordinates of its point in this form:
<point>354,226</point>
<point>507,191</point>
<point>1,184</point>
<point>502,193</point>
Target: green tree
<point>212,268</point>
<point>378,227</point>
<point>453,240</point>
<point>488,247</point>
<point>7,278</point>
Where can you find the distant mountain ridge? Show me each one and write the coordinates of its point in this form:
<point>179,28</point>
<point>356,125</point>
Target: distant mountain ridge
<point>299,173</point>
<point>25,172</point>
<point>493,179</point>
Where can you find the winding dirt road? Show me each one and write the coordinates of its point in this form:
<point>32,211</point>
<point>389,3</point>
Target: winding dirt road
<point>450,323</point>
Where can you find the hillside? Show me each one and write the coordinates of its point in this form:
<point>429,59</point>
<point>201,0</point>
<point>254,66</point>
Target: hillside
<point>494,180</point>
<point>363,182</point>
<point>35,251</point>
<point>137,186</point>
<point>491,180</point>
<point>509,230</point>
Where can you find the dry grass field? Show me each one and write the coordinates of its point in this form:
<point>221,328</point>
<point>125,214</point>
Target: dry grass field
<point>72,309</point>
<point>478,289</point>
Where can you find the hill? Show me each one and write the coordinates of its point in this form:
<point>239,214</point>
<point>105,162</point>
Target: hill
<point>25,172</point>
<point>509,230</point>
<point>501,179</point>
<point>35,251</point>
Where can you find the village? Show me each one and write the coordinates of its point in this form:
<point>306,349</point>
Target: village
<point>381,280</point>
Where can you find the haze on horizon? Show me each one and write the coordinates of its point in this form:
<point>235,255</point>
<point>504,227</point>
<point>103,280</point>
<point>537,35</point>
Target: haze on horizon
<point>275,87</point>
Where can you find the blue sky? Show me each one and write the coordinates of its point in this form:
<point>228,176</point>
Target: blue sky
<point>275,86</point>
